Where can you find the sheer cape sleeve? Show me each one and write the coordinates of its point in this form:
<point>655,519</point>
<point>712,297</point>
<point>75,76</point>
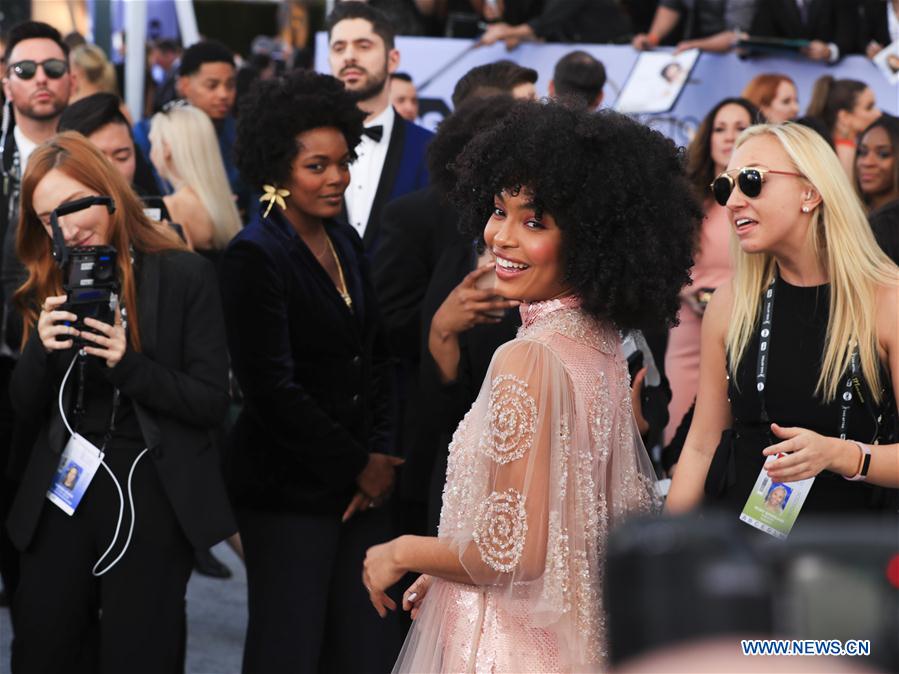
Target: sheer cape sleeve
<point>546,460</point>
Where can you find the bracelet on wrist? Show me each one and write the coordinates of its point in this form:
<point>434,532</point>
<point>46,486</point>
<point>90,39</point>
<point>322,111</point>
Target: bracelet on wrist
<point>653,39</point>
<point>864,463</point>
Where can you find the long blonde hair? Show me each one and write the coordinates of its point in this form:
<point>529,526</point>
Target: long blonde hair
<point>846,249</point>
<point>196,158</point>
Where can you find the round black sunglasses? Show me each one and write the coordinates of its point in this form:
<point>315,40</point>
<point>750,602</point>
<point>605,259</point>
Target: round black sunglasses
<point>749,179</point>
<point>53,68</point>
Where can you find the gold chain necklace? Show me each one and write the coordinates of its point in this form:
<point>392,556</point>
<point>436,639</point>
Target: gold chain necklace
<point>342,288</point>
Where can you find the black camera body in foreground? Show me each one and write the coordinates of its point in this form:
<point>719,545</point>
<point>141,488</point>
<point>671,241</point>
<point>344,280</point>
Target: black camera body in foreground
<point>90,280</point>
<point>90,274</point>
<point>683,580</point>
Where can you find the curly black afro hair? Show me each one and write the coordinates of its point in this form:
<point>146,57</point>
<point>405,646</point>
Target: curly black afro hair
<point>617,190</point>
<point>276,111</point>
<point>454,133</point>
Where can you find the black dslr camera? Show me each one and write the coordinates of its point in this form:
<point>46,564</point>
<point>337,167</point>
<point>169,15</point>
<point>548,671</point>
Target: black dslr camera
<point>89,273</point>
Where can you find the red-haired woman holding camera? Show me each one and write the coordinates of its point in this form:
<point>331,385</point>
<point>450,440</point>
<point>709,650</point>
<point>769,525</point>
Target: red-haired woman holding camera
<point>102,587</point>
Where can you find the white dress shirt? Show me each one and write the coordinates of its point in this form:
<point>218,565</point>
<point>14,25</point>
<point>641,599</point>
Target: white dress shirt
<point>25,146</point>
<point>365,172</point>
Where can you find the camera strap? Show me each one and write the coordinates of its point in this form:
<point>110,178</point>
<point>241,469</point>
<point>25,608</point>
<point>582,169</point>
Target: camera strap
<point>78,410</point>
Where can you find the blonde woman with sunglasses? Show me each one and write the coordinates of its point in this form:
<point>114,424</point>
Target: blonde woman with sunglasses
<point>814,294</point>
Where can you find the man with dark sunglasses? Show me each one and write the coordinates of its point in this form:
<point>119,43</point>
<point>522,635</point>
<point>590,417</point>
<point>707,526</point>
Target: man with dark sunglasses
<point>36,85</point>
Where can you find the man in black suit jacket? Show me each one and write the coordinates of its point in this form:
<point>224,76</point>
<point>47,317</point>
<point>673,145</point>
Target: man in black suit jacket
<point>831,25</point>
<point>391,156</point>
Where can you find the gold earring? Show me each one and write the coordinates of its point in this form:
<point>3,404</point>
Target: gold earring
<point>274,195</point>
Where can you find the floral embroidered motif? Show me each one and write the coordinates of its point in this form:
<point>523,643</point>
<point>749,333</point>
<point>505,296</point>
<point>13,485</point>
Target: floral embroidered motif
<point>511,420</point>
<point>500,529</point>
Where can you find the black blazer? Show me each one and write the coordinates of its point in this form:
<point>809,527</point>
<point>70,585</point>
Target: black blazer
<point>178,385</point>
<point>313,374</point>
<point>828,20</point>
<point>416,229</point>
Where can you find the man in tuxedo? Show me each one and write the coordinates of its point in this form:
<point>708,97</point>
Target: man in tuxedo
<point>830,25</point>
<point>391,156</point>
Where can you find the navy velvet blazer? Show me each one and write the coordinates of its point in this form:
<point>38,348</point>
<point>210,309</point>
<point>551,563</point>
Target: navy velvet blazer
<point>405,170</point>
<point>312,372</point>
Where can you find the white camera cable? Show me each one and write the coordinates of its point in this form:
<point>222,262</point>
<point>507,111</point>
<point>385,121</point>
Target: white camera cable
<point>115,481</point>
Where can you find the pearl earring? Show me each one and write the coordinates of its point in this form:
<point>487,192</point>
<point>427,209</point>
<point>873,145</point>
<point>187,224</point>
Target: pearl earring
<point>805,209</point>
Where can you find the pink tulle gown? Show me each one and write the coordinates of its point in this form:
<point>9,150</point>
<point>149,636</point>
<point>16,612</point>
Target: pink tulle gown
<point>545,462</point>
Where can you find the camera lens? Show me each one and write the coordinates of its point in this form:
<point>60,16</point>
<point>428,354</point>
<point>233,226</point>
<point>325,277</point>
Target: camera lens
<point>103,269</point>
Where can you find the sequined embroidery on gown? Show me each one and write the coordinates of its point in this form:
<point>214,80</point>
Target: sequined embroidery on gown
<point>545,462</point>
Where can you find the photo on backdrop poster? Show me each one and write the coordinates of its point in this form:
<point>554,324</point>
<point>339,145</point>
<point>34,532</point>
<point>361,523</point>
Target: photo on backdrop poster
<point>656,81</point>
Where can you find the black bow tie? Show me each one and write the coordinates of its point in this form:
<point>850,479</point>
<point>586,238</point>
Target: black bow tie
<point>376,133</point>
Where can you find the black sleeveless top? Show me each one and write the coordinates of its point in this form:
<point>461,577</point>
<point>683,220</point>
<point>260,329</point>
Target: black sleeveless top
<point>798,330</point>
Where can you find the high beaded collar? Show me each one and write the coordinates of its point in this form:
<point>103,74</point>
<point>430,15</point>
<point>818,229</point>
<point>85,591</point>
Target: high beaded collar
<point>533,312</point>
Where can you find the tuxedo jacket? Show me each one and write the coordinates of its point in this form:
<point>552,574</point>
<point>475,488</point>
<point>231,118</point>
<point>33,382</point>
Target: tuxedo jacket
<point>833,21</point>
<point>314,374</point>
<point>405,170</point>
<point>177,384</point>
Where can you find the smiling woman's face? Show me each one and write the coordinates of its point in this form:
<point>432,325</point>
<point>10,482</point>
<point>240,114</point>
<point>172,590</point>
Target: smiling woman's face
<point>90,227</point>
<point>320,173</point>
<point>527,246</point>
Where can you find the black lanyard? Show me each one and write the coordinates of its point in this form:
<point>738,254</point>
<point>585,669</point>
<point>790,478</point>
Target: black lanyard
<point>762,364</point>
<point>78,412</point>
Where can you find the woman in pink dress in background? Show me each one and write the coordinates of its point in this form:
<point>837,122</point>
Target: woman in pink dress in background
<point>548,459</point>
<point>707,157</point>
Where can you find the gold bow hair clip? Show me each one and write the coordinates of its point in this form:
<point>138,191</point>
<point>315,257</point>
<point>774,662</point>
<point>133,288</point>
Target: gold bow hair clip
<point>273,195</point>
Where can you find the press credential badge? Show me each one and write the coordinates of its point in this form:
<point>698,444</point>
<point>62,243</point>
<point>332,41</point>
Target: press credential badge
<point>774,506</point>
<point>77,466</point>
